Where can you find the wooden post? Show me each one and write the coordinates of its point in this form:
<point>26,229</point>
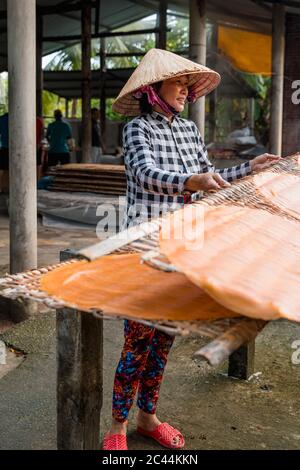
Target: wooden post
<point>79,378</point>
<point>278,41</point>
<point>67,108</point>
<point>103,94</point>
<point>241,362</point>
<point>212,98</point>
<point>161,36</point>
<point>39,64</point>
<point>252,114</point>
<point>21,17</point>
<point>86,80</point>
<point>103,118</point>
<point>197,53</point>
<point>291,107</point>
<point>212,116</point>
<point>235,344</point>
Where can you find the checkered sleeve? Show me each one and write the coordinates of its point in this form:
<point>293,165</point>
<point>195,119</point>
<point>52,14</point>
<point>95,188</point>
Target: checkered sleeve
<point>228,174</point>
<point>140,158</point>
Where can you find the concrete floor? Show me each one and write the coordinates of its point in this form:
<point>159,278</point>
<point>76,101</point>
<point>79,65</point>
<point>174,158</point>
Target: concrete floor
<point>213,411</point>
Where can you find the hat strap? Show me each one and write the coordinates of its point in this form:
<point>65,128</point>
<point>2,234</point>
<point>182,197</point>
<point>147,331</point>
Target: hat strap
<point>154,98</point>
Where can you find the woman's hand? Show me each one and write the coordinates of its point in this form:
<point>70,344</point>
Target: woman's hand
<point>205,182</point>
<point>263,161</point>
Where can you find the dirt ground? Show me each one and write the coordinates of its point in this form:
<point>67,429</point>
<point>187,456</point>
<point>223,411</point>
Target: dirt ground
<point>212,410</point>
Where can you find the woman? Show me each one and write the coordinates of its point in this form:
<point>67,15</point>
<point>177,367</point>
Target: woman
<point>166,166</point>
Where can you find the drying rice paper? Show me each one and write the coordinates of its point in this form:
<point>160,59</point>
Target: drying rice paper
<point>120,284</point>
<point>282,190</point>
<point>246,259</point>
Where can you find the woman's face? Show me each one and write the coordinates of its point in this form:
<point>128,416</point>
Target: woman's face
<point>175,91</point>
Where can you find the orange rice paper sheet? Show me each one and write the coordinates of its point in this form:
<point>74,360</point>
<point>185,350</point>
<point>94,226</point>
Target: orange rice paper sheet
<point>246,259</point>
<point>282,190</point>
<point>122,285</point>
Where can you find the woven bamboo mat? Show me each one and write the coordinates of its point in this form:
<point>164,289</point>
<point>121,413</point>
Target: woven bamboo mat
<point>27,285</point>
<point>241,192</point>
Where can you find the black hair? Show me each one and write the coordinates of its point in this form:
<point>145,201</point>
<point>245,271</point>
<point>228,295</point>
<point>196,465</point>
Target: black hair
<point>58,114</point>
<point>145,106</point>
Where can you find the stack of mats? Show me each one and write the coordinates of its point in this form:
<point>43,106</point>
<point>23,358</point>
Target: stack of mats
<point>92,178</point>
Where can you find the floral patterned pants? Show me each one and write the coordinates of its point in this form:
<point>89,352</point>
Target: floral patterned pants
<point>141,367</point>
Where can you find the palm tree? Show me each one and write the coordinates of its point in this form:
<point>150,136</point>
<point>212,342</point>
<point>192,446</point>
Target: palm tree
<point>70,59</point>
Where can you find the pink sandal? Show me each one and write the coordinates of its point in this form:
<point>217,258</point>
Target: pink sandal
<point>114,442</point>
<point>164,435</point>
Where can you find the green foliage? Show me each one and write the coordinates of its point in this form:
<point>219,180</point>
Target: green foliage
<point>67,59</point>
<point>3,93</point>
<point>51,102</point>
<point>110,114</point>
<point>262,85</point>
<point>178,37</point>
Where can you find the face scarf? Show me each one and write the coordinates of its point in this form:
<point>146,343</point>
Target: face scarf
<point>154,98</point>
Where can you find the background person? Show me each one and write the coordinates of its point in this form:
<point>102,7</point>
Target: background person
<point>59,135</point>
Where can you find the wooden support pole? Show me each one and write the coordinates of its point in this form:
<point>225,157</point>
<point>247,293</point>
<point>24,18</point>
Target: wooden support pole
<point>86,81</point>
<point>79,378</point>
<point>21,15</point>
<point>39,64</point>
<point>103,93</point>
<point>197,53</point>
<point>67,108</point>
<point>291,107</point>
<point>221,348</point>
<point>161,36</point>
<point>278,42</point>
<point>212,116</point>
<point>252,114</point>
<point>212,97</point>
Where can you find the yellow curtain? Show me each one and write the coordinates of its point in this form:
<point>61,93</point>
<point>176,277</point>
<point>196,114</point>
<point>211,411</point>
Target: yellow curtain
<point>247,51</point>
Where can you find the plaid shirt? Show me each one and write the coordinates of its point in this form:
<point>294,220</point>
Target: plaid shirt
<point>159,157</point>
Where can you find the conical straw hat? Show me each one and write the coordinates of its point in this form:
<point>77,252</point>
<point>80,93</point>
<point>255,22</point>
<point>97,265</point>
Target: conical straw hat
<point>158,65</point>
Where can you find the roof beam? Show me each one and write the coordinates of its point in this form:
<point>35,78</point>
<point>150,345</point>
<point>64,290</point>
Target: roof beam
<point>78,19</point>
<point>64,8</point>
<point>104,34</point>
<point>145,3</point>
<point>234,22</point>
<point>262,4</point>
<point>228,11</point>
<point>287,3</point>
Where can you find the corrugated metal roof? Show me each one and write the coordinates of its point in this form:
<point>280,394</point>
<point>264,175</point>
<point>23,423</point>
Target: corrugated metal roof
<point>248,14</point>
<point>114,14</point>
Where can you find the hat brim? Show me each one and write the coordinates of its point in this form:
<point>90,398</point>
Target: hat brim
<point>200,83</point>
